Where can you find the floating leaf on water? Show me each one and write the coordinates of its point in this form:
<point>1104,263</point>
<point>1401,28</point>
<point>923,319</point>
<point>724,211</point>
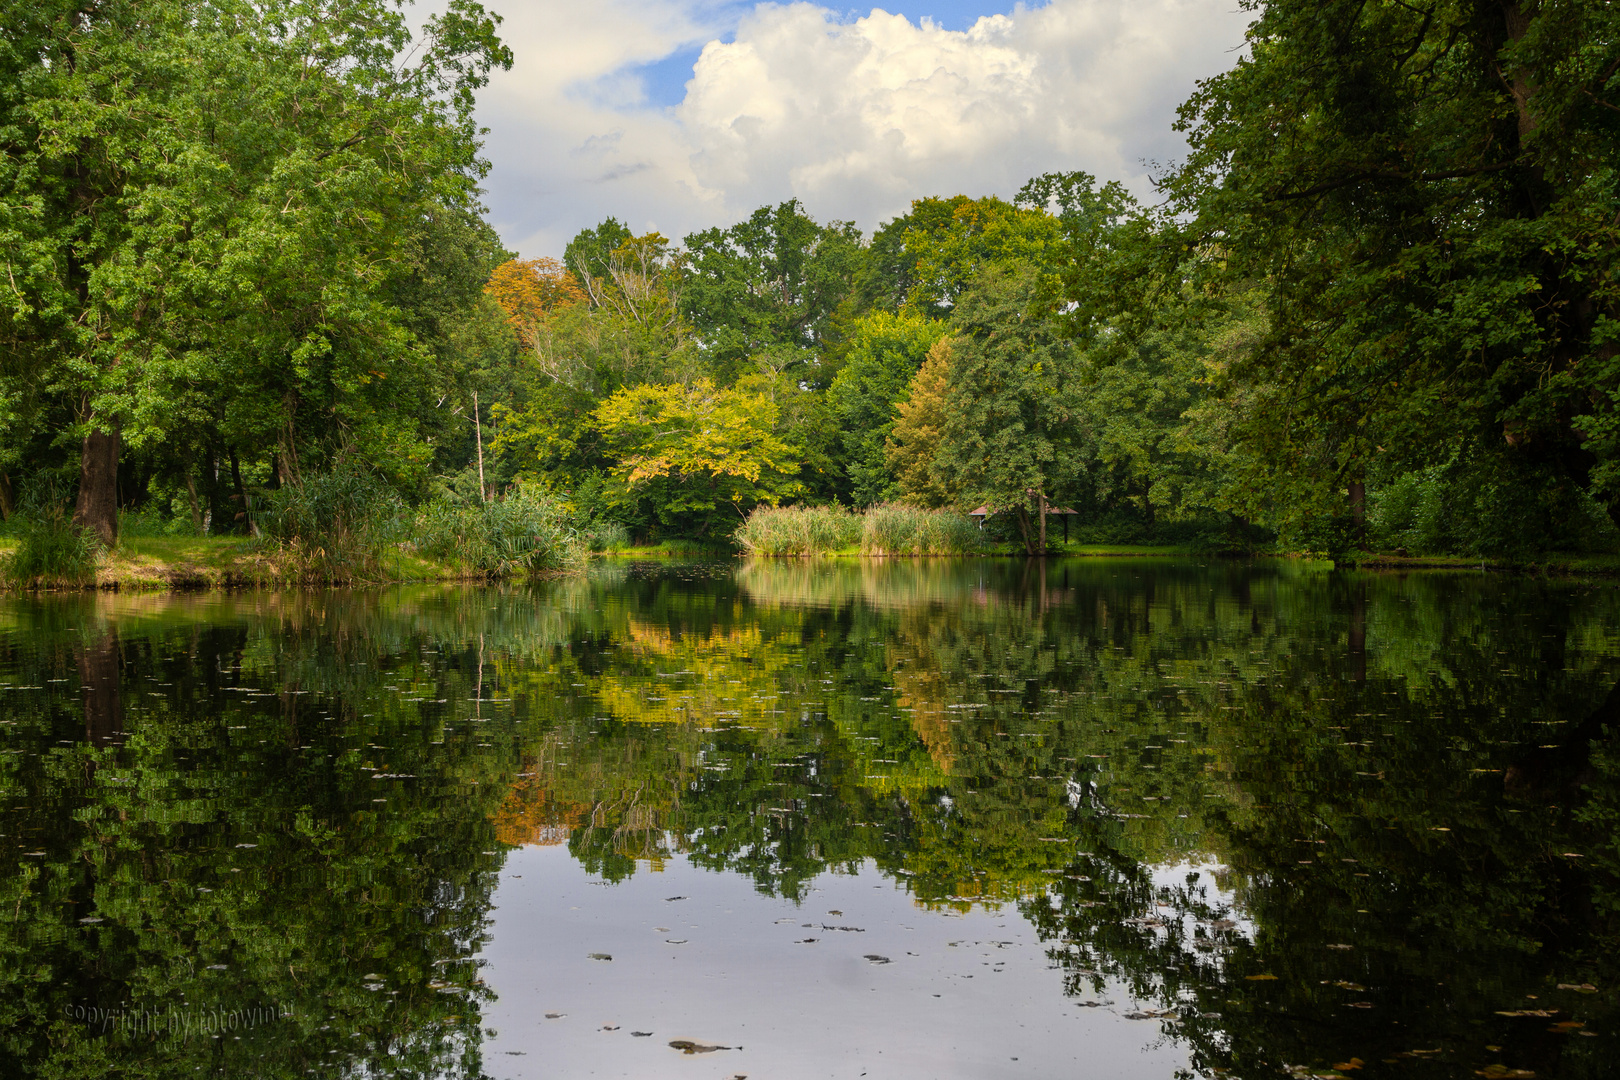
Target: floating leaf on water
<point>641,1034</point>
<point>610,1027</point>
<point>1502,1072</point>
<point>876,959</point>
<point>1261,978</point>
<point>1152,1014</point>
<point>687,1046</point>
<point>1543,1013</point>
<point>555,1016</point>
<point>1579,988</point>
<point>1361,1004</point>
<point>671,899</point>
<point>675,941</point>
<point>1567,1025</point>
<point>1346,1066</point>
<point>806,941</point>
<point>835,912</point>
<point>601,956</point>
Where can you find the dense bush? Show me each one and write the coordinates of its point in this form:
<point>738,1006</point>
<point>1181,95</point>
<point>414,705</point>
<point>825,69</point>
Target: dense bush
<point>1486,508</point>
<point>526,531</point>
<point>896,529</point>
<point>334,526</point>
<point>50,550</point>
<point>798,530</point>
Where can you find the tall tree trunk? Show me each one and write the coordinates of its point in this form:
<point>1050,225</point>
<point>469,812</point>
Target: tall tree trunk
<point>196,510</point>
<point>7,505</point>
<point>97,506</point>
<point>1358,513</point>
<point>1043,522</point>
<point>242,496</point>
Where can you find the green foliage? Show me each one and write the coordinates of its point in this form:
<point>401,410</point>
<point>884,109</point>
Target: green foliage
<point>334,527</point>
<point>798,530</point>
<point>695,450</point>
<point>51,552</point>
<point>883,356</point>
<point>762,294</point>
<point>897,529</point>
<point>1425,197</point>
<point>526,531</point>
<point>1010,436</point>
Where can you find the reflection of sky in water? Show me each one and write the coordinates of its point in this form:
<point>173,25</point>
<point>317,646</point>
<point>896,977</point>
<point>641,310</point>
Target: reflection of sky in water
<point>964,994</point>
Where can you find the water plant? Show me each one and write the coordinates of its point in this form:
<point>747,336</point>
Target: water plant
<point>897,529</point>
<point>798,530</point>
<point>51,551</point>
<point>525,531</point>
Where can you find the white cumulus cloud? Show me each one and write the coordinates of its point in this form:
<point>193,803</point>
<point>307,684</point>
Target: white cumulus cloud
<point>855,119</point>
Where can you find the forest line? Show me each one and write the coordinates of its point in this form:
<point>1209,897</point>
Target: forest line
<point>251,288</point>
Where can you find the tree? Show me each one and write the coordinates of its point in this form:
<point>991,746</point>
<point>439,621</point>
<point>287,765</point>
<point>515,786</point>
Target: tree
<point>694,449</point>
<point>1010,437</point>
<point>884,354</point>
<point>221,195</point>
<point>764,292</point>
<point>1427,194</point>
<point>927,257</point>
<point>919,423</point>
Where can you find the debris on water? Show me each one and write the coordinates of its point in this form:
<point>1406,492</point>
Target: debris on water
<point>1261,978</point>
<point>1543,1013</point>
<point>1341,946</point>
<point>641,1034</point>
<point>675,941</point>
<point>806,941</point>
<point>687,1046</point>
<point>555,1016</point>
<point>835,912</point>
<point>1152,1014</point>
<point>846,929</point>
<point>601,956</point>
<point>1579,988</point>
<point>1502,1072</point>
<point>1347,1066</point>
<point>876,959</point>
<point>671,899</point>
<point>610,1027</point>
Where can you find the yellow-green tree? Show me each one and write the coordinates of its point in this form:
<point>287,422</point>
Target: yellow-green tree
<point>699,454</point>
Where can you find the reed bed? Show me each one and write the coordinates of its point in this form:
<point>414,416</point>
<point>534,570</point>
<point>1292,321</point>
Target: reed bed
<point>896,529</point>
<point>786,531</point>
<point>888,529</point>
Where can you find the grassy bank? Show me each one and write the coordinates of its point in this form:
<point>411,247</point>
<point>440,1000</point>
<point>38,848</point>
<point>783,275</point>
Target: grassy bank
<point>345,529</point>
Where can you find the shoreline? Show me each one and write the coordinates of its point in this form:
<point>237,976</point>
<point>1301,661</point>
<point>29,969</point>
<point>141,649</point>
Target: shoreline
<point>223,564</point>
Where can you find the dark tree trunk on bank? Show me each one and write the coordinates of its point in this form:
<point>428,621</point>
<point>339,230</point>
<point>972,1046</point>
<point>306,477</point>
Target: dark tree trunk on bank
<point>7,503</point>
<point>99,679</point>
<point>97,506</point>
<point>1358,513</point>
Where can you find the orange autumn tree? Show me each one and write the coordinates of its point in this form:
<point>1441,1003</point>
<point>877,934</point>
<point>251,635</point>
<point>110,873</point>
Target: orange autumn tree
<point>533,293</point>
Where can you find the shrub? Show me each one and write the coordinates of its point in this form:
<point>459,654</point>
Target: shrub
<point>51,551</point>
<point>896,529</point>
<point>798,530</point>
<point>333,526</point>
<point>526,531</point>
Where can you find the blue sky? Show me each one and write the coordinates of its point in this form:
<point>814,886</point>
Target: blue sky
<point>608,110</point>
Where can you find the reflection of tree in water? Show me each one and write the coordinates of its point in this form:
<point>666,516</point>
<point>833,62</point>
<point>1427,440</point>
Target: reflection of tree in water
<point>981,733</point>
<point>226,869</point>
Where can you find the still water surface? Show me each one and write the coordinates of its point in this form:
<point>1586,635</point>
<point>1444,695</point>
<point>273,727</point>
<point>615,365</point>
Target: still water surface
<point>1095,818</point>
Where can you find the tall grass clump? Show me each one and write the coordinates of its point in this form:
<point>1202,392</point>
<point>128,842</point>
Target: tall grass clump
<point>333,527</point>
<point>524,532</point>
<point>895,529</point>
<point>51,551</point>
<point>798,530</point>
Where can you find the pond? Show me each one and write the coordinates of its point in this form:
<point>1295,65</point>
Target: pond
<point>1114,818</point>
